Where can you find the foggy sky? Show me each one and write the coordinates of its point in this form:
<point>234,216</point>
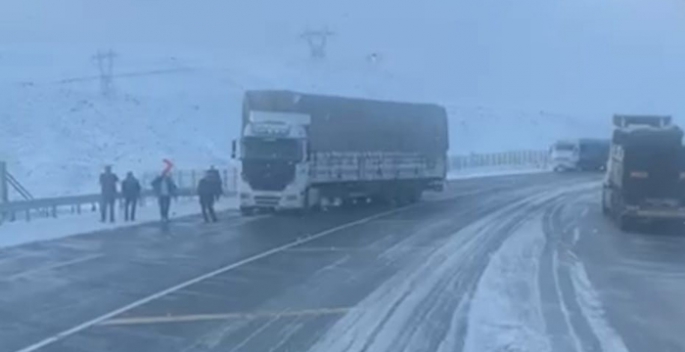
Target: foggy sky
<point>584,57</point>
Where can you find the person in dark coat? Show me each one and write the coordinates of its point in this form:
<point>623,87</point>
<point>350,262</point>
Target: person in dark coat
<point>209,191</point>
<point>130,189</point>
<point>108,192</point>
<point>219,184</point>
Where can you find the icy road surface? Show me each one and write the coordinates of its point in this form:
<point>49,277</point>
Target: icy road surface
<point>516,263</point>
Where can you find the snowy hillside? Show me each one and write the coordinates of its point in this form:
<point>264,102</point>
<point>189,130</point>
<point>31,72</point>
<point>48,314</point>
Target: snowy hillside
<point>181,67</point>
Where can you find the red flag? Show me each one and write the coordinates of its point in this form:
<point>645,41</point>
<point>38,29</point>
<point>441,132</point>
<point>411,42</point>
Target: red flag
<point>168,165</point>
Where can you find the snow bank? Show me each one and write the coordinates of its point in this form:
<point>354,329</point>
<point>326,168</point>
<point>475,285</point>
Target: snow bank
<point>43,229</point>
<point>57,139</point>
<point>592,308</point>
<point>505,312</point>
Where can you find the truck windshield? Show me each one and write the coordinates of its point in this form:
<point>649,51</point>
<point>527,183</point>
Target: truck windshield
<point>272,149</point>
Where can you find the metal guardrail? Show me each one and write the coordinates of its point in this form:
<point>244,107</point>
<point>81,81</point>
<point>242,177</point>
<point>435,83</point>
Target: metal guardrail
<point>49,207</point>
<point>18,187</point>
<point>52,207</point>
<point>535,158</point>
<point>187,183</point>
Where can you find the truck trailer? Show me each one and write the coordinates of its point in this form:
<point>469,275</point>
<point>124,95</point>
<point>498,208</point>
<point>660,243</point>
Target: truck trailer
<point>584,154</point>
<point>645,179</point>
<point>593,154</point>
<point>301,151</point>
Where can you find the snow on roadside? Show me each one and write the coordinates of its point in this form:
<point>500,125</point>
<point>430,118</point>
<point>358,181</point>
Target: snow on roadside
<point>506,313</point>
<point>43,229</point>
<point>591,306</point>
<point>483,172</point>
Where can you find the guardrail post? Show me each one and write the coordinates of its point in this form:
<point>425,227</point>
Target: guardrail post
<point>4,193</point>
<point>4,189</point>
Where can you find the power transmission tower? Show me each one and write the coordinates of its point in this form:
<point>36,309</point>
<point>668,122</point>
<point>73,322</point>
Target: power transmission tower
<point>104,61</point>
<point>317,42</point>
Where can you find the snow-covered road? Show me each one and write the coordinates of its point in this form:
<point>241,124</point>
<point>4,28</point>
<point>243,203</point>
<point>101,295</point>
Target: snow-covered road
<point>515,263</point>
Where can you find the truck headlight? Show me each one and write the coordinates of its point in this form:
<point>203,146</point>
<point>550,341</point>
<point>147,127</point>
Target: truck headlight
<point>291,197</point>
<point>244,196</point>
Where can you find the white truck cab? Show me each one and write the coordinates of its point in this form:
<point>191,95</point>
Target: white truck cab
<point>274,172</point>
<point>564,155</point>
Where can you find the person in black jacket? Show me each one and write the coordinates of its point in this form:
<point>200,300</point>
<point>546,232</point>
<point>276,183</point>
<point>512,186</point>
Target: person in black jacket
<point>108,192</point>
<point>219,184</point>
<point>164,188</point>
<point>130,189</point>
<point>209,191</point>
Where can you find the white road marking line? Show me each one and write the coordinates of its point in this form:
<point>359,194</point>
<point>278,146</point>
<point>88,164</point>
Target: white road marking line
<point>83,326</point>
<point>53,266</point>
<point>221,316</point>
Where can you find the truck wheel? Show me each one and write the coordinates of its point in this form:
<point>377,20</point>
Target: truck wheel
<point>415,196</point>
<point>401,198</point>
<point>605,210</point>
<point>244,211</point>
<point>626,223</point>
<point>348,203</point>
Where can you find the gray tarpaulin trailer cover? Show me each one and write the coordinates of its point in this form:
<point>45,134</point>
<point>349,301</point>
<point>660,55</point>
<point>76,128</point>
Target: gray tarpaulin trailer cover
<point>359,125</point>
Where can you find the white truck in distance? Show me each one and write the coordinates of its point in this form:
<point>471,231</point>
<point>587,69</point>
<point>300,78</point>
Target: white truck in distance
<point>300,151</point>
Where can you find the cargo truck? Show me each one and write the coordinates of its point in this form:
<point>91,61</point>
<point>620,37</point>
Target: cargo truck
<point>301,151</point>
<point>593,154</point>
<point>645,179</point>
<point>584,154</point>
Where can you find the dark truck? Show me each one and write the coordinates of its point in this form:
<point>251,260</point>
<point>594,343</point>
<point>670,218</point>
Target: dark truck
<point>300,151</point>
<point>645,179</point>
<point>593,154</point>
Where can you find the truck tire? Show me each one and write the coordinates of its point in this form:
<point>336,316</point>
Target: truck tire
<point>626,223</point>
<point>245,211</point>
<point>605,210</point>
<point>415,196</point>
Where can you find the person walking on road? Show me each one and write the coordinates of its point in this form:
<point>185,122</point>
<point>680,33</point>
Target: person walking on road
<point>130,189</point>
<point>164,188</point>
<point>218,182</point>
<point>108,192</point>
<point>208,191</point>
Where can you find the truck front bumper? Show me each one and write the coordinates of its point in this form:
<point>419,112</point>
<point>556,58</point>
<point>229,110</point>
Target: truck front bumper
<point>271,200</point>
<point>564,164</point>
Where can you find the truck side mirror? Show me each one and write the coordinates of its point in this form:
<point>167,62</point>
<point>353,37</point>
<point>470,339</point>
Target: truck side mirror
<point>233,149</point>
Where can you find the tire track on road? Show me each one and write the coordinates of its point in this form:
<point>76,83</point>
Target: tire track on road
<point>573,295</point>
<point>396,316</point>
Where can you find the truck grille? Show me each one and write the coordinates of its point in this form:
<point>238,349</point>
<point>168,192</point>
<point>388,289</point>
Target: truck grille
<point>268,175</point>
<point>267,201</point>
